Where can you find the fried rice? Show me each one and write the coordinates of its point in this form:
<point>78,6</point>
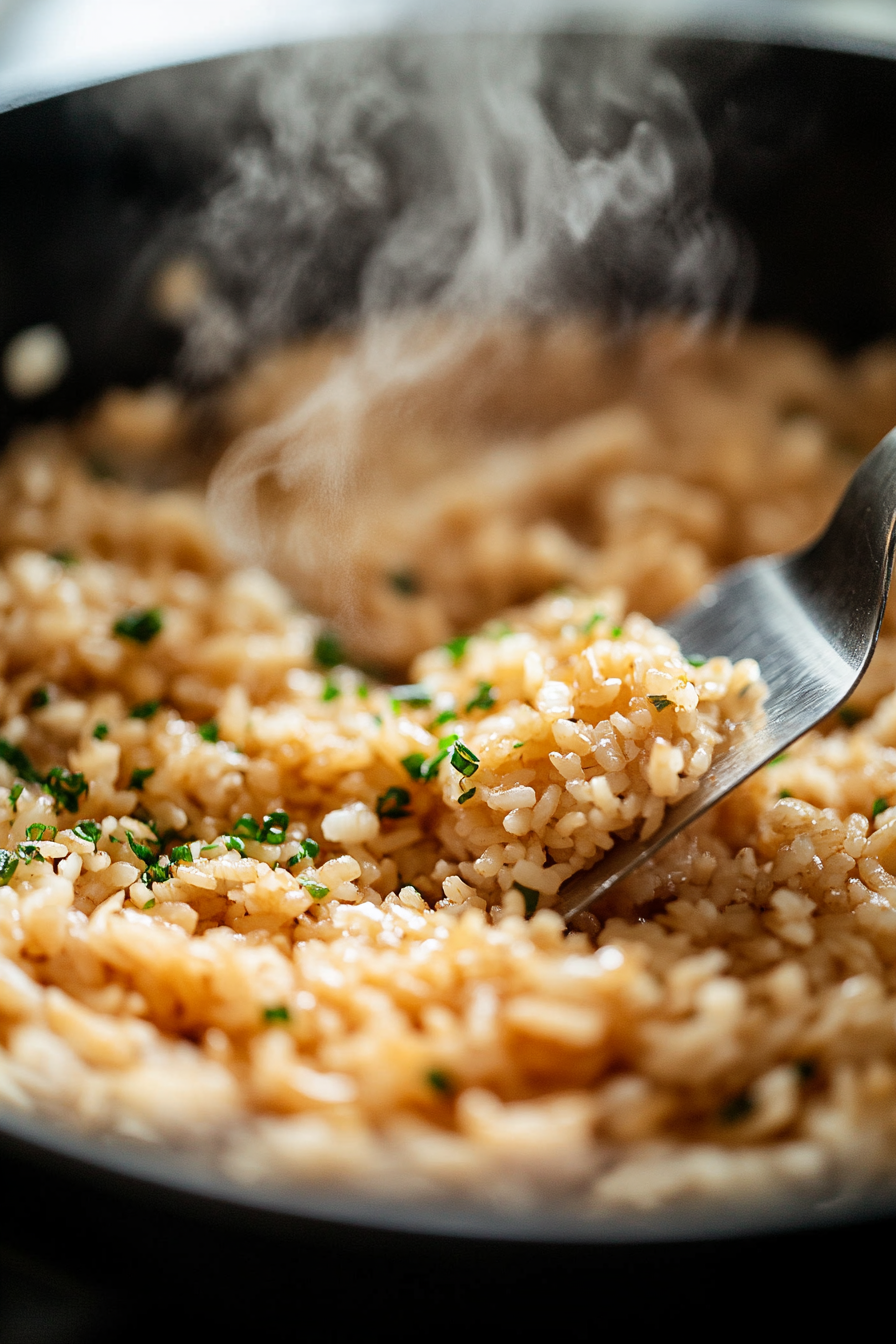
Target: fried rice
<point>261,902</point>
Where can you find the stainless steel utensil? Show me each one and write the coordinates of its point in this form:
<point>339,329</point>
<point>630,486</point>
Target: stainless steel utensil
<point>811,621</point>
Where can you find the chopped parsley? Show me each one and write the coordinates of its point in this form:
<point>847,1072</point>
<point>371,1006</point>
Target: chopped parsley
<point>456,647</point>
<point>88,830</point>
<point>8,864</point>
<point>15,757</point>
<point>696,660</point>
<point>446,716</point>
<point>67,558</point>
<point>146,710</point>
<point>776,760</point>
<point>142,851</point>
<point>518,744</point>
<point>273,828</point>
<point>414,764</point>
<point>785,793</point>
<point>530,896</point>
<point>331,691</point>
<point>235,843</point>
<point>484,698</point>
<point>328,650</point>
<point>140,626</point>
<point>156,872</point>
<point>38,831</point>
<point>850,715</point>
<point>736,1109</point>
<point>30,853</point>
<point>465,797</point>
<point>414,696</point>
<point>309,849</point>
<point>66,787</point>
<point>139,777</point>
<point>659,702</point>
<point>39,698</point>
<point>208,731</point>
<point>440,1081</point>
<point>393,804</point>
<point>464,760</point>
<point>315,889</point>
<point>363,691</point>
<point>616,632</point>
<point>592,622</point>
<point>405,581</point>
<point>880,805</point>
<point>101,732</point>
<point>181,854</point>
<point>148,905</point>
<point>279,1013</point>
<point>15,794</point>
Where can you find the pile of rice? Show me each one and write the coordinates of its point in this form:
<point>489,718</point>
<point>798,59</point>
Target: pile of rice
<point>256,900</point>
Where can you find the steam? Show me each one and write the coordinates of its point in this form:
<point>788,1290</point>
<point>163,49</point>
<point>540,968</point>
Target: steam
<point>481,179</point>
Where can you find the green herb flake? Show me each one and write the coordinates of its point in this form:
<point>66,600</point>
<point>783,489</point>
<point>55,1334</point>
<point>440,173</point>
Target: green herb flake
<point>88,830</point>
<point>146,710</point>
<point>246,826</point>
<point>592,622</point>
<point>15,794</point>
<point>393,804</point>
<point>440,1082</point>
<point>363,691</point>
<point>777,760</point>
<point>148,905</point>
<point>66,787</point>
<point>736,1109</point>
<point>465,797</point>
<point>66,558</point>
<point>235,843</point>
<point>139,777</point>
<point>405,582</point>
<point>456,647</point>
<point>30,853</point>
<point>850,715</point>
<point>331,691</point>
<point>279,1013</point>
<point>518,744</point>
<point>484,698</point>
<point>38,831</point>
<point>139,626</point>
<point>8,864</point>
<point>416,697</point>
<point>273,828</point>
<point>101,732</point>
<point>156,872</point>
<point>209,732</point>
<point>39,698</point>
<point>181,854</point>
<point>659,702</point>
<point>446,716</point>
<point>785,793</point>
<point>15,757</point>
<point>880,805</point>
<point>530,896</point>
<point>142,851</point>
<point>210,849</point>
<point>315,889</point>
<point>414,764</point>
<point>310,849</point>
<point>696,660</point>
<point>328,650</point>
<point>464,760</point>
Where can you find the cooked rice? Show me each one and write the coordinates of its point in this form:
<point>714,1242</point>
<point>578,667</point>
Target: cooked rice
<point>377,991</point>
